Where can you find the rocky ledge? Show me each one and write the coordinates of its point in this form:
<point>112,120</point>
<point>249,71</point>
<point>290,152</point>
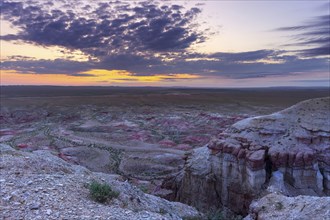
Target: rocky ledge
<point>275,206</point>
<point>287,152</point>
<point>40,185</point>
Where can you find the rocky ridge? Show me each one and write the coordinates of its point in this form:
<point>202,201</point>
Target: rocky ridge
<point>287,152</point>
<point>40,185</point>
<point>276,206</point>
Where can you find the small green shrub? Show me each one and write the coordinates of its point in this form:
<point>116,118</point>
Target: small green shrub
<point>215,215</point>
<point>279,206</point>
<point>144,188</point>
<point>162,211</point>
<point>101,192</point>
<point>192,218</point>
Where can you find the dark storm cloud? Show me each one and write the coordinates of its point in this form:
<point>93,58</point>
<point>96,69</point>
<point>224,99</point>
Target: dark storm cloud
<point>315,35</point>
<point>106,28</point>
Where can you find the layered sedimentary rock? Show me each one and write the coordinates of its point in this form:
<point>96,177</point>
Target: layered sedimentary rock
<point>288,150</point>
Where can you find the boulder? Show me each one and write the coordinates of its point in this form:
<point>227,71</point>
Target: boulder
<point>276,206</point>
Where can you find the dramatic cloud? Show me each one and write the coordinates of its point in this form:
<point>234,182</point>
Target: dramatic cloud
<point>58,66</point>
<point>146,39</point>
<point>246,56</point>
<point>104,28</point>
<point>273,63</point>
<point>314,34</point>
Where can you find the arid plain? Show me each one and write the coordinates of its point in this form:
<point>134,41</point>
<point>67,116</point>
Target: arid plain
<point>142,134</point>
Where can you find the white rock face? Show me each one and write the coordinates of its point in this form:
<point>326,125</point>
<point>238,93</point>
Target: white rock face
<point>289,149</point>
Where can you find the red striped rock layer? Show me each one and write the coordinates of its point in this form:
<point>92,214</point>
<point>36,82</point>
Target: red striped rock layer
<point>237,167</point>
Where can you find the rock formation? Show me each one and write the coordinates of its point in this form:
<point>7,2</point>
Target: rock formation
<point>288,151</point>
<point>276,206</point>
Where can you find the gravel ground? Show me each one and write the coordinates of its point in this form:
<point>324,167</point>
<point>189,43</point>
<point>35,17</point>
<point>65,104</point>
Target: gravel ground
<point>40,185</point>
<point>276,206</point>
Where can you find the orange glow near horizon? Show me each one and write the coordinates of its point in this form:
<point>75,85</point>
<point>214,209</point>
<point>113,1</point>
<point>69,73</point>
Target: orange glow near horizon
<point>122,76</point>
<point>12,77</point>
<point>93,77</point>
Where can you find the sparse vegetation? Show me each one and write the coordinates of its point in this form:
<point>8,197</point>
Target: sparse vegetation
<point>144,188</point>
<point>162,211</point>
<point>215,215</point>
<point>192,218</point>
<point>222,215</point>
<point>101,192</point>
<point>132,139</point>
<point>279,206</point>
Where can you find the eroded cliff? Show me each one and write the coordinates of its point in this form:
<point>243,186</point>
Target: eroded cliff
<point>287,152</point>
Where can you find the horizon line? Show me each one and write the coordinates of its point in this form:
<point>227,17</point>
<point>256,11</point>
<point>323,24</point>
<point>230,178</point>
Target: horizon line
<point>167,87</point>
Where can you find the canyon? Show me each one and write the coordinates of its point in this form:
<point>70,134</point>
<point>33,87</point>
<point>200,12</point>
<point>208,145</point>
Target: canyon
<point>286,152</point>
<point>210,149</point>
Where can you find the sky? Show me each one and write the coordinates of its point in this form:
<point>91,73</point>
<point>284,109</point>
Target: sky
<point>185,43</point>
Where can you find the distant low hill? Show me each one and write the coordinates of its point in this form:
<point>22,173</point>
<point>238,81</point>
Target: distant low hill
<point>53,91</point>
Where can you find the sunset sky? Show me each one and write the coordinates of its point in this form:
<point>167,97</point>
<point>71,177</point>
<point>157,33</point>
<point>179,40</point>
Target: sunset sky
<point>165,43</point>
